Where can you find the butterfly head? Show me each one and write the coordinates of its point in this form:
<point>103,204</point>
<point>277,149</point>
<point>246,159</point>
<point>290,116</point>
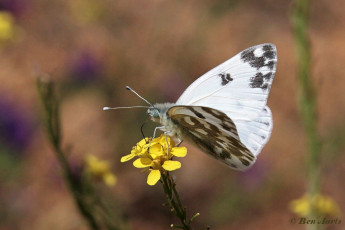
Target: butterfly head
<point>154,113</point>
<point>157,112</point>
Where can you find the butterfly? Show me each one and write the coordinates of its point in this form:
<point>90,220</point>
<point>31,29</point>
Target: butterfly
<point>224,112</point>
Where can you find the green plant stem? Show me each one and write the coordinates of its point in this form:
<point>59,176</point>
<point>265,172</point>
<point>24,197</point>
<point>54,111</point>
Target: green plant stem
<point>174,201</point>
<point>83,208</point>
<point>300,20</point>
<point>52,123</point>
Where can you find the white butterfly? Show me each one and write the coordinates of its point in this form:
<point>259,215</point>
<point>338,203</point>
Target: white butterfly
<point>224,112</point>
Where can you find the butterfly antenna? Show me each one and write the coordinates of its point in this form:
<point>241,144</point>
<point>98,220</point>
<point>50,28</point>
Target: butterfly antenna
<point>142,132</point>
<point>130,89</point>
<point>127,107</point>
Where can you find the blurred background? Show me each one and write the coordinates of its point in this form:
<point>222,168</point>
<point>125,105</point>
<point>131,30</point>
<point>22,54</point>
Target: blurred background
<point>93,49</point>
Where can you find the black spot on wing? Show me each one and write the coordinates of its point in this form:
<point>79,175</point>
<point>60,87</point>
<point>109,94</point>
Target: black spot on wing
<point>267,47</point>
<point>261,81</point>
<point>226,78</point>
<point>268,51</point>
<point>271,65</point>
<point>268,76</point>
<point>258,62</point>
<point>258,57</point>
<point>249,56</point>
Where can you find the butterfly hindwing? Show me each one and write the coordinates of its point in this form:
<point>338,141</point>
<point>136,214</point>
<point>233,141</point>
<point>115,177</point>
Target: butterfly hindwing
<point>213,132</point>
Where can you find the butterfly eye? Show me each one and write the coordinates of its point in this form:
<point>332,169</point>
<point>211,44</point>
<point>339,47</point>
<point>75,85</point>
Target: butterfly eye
<point>153,112</point>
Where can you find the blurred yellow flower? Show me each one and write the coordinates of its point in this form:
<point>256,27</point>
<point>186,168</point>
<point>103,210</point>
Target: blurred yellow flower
<point>7,26</point>
<point>322,205</point>
<point>86,11</point>
<point>99,170</point>
<point>154,156</point>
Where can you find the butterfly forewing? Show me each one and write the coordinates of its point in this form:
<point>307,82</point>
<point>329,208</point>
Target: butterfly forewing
<point>213,132</point>
<point>256,133</point>
<point>239,87</point>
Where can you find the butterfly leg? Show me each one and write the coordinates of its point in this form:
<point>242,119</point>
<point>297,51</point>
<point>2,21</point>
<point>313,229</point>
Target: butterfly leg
<point>154,133</point>
<point>179,142</point>
<point>166,139</point>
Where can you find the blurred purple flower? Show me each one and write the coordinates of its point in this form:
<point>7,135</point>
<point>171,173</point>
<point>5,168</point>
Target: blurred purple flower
<point>254,177</point>
<point>86,67</point>
<point>16,7</point>
<point>76,168</point>
<point>15,127</point>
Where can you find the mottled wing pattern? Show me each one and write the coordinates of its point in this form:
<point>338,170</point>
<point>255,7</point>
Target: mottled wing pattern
<point>238,87</point>
<point>213,132</point>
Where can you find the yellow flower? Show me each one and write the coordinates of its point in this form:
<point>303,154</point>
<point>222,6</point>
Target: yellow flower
<point>100,170</point>
<point>138,150</point>
<point>7,26</point>
<point>154,156</point>
<point>322,205</point>
<point>86,11</point>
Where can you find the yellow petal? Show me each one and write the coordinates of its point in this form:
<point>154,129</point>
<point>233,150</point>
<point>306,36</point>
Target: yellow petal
<point>179,151</point>
<point>325,205</point>
<point>109,179</point>
<point>154,141</point>
<point>142,162</point>
<point>90,158</point>
<point>155,148</point>
<point>156,151</point>
<point>95,166</point>
<point>171,165</point>
<point>153,177</point>
<point>164,141</point>
<point>7,27</point>
<point>143,142</point>
<point>140,147</point>
<point>300,206</point>
<point>127,157</point>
